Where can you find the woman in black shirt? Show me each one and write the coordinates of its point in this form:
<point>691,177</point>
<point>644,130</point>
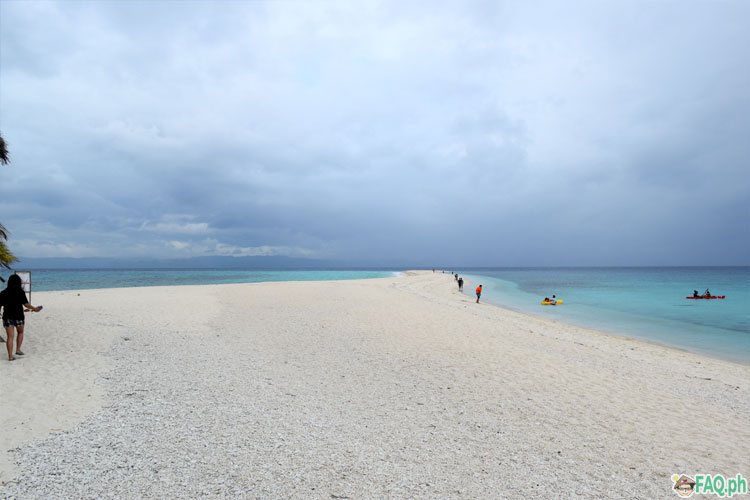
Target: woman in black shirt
<point>13,300</point>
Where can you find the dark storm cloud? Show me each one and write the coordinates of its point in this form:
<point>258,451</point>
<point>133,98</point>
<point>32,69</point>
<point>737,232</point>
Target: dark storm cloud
<point>497,133</point>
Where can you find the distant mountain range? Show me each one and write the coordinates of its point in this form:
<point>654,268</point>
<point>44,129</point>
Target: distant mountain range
<point>209,262</point>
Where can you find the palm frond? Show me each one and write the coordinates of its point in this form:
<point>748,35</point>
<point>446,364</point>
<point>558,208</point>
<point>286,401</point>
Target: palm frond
<point>6,258</point>
<point>4,156</point>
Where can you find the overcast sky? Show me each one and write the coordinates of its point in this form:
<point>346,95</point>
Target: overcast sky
<point>462,133</point>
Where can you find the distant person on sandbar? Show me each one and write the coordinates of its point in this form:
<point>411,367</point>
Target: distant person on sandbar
<point>479,293</point>
<point>12,301</point>
<point>460,284</point>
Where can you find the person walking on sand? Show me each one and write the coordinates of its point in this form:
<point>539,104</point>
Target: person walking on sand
<point>460,284</point>
<point>12,301</point>
<point>479,293</point>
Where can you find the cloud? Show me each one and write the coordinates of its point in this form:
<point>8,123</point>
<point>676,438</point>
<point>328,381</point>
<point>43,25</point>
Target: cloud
<point>480,133</point>
<point>234,251</point>
<point>176,224</point>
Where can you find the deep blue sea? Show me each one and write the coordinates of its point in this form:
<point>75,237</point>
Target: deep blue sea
<point>645,303</point>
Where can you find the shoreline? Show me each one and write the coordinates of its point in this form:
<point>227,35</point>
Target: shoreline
<point>406,273</point>
<point>624,337</point>
<point>588,330</point>
<point>395,387</point>
<point>592,326</point>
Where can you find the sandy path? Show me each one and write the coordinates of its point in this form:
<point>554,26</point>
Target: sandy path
<point>390,388</point>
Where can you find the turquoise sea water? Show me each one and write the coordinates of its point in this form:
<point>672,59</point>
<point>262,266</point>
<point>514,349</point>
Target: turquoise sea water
<point>645,303</point>
<point>84,279</point>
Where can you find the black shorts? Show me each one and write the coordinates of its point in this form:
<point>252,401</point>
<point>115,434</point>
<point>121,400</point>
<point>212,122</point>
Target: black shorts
<point>7,323</point>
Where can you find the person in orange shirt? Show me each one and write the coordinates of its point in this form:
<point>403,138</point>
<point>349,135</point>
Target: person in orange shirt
<point>479,293</point>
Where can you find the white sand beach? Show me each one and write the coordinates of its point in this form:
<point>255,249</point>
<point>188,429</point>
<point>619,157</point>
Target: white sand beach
<point>385,388</point>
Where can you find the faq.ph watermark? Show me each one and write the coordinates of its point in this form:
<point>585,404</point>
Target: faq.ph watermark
<point>707,484</point>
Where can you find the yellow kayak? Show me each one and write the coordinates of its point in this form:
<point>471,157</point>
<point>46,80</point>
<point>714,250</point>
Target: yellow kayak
<point>551,303</point>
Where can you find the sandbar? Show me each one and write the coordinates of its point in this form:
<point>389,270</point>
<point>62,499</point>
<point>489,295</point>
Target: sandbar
<point>382,388</point>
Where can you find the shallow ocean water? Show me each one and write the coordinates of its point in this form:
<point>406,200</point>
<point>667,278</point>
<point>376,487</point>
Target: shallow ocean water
<point>646,303</point>
<point>84,279</point>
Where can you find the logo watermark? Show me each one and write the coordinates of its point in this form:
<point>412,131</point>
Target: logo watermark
<point>705,484</point>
